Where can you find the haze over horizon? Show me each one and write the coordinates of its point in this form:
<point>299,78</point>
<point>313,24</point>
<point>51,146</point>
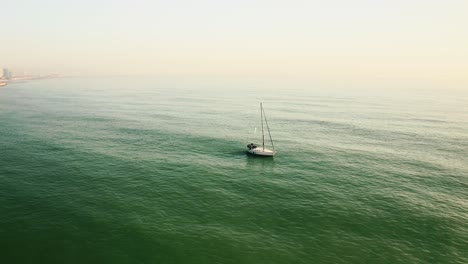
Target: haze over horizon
<point>358,40</point>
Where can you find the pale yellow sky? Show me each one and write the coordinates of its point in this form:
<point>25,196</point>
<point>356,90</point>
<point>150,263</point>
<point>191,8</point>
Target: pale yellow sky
<point>362,39</point>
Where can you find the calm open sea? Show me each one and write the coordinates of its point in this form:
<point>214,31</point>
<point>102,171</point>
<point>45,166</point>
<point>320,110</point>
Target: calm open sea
<point>154,170</point>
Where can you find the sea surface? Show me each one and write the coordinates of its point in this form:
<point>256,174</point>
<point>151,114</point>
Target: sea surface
<point>155,170</point>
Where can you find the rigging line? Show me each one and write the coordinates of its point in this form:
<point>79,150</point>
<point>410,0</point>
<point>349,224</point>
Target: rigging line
<point>268,128</point>
<point>263,134</point>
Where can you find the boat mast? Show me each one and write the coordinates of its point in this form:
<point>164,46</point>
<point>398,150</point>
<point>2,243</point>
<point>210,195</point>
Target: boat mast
<point>263,134</point>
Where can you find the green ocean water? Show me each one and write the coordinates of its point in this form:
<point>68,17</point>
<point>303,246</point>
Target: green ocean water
<point>154,170</point>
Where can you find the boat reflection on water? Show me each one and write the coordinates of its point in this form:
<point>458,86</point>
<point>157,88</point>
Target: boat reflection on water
<point>255,161</point>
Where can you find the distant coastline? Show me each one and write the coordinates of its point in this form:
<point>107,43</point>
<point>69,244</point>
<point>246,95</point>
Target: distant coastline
<point>5,82</point>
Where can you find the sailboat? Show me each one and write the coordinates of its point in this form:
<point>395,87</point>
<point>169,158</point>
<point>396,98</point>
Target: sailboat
<point>261,150</point>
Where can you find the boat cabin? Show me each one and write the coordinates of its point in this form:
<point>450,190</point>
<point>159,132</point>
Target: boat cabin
<point>251,146</point>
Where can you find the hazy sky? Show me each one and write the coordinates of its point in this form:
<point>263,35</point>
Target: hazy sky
<point>421,39</point>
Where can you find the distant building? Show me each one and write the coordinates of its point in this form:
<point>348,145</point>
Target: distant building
<point>7,74</point>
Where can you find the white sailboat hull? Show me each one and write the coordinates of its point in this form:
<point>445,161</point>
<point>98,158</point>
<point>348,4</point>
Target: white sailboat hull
<point>262,152</point>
